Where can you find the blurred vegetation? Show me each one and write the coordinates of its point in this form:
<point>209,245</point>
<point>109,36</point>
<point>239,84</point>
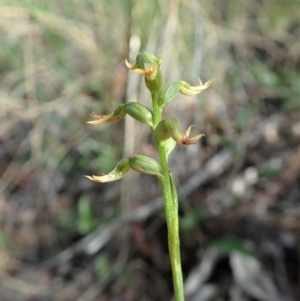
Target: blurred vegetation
<point>60,60</point>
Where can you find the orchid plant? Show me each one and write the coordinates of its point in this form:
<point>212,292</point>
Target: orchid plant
<point>166,134</point>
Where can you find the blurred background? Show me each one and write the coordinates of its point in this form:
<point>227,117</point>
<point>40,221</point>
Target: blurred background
<point>65,238</point>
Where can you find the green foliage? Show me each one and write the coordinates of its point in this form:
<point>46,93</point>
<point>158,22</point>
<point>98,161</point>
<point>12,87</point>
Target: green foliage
<point>65,220</point>
<point>103,267</point>
<point>242,120</point>
<point>6,243</point>
<point>86,221</point>
<point>271,172</point>
<point>292,90</point>
<point>190,219</point>
<point>229,244</point>
<point>265,77</point>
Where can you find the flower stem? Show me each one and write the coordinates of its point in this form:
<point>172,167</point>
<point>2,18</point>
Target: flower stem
<point>171,209</point>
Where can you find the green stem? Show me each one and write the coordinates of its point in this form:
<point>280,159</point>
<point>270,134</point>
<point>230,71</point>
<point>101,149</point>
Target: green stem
<point>171,208</point>
<point>157,111</point>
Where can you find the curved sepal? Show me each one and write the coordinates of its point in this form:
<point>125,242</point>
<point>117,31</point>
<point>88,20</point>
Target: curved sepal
<point>117,173</point>
<point>116,116</point>
<point>139,112</point>
<point>167,93</point>
<point>138,163</point>
<point>188,90</point>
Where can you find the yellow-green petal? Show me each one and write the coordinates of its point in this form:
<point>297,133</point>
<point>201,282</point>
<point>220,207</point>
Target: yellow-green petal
<point>188,90</point>
<point>116,116</point>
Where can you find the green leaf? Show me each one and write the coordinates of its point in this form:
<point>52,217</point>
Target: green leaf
<point>103,267</point>
<point>191,218</point>
<point>86,219</point>
<point>229,244</point>
<point>167,93</point>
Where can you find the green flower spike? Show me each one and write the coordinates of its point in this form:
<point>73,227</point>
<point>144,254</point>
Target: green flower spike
<point>188,90</point>
<point>171,128</point>
<point>166,134</point>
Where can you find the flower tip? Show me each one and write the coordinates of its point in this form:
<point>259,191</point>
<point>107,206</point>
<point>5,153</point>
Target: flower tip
<point>92,122</point>
<point>101,179</point>
<point>94,115</point>
<point>187,133</point>
<point>128,65</point>
<point>185,140</point>
<point>207,84</point>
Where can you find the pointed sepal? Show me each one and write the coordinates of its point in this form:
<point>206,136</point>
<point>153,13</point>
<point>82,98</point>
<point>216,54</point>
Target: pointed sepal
<point>188,90</point>
<point>138,163</point>
<point>116,116</point>
<point>117,173</point>
<point>171,128</point>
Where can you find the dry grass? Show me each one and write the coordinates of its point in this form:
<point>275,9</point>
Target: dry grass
<point>59,60</point>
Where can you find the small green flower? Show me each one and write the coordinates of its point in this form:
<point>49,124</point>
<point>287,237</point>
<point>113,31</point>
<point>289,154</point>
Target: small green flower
<point>116,116</point>
<point>188,90</point>
<point>138,163</point>
<point>147,64</point>
<point>135,110</point>
<point>117,173</point>
<point>171,128</point>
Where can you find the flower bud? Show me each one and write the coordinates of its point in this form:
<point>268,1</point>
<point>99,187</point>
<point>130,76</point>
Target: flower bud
<point>139,112</point>
<point>145,165</point>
